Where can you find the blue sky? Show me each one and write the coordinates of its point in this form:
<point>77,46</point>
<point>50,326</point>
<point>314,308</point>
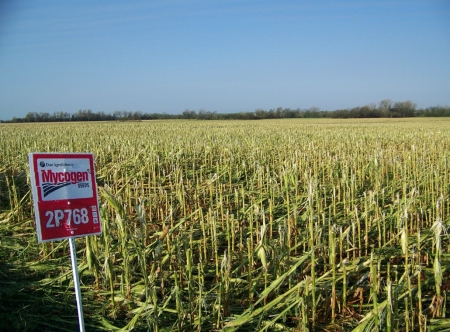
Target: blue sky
<point>224,56</point>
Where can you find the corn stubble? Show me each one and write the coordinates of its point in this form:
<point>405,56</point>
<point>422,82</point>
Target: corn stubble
<point>303,225</point>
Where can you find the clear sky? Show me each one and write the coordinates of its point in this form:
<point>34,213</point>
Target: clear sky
<point>224,56</point>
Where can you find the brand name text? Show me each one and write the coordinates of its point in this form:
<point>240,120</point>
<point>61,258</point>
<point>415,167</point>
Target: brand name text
<point>48,176</point>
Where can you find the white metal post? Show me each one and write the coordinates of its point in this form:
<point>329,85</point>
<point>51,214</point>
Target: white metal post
<point>76,281</point>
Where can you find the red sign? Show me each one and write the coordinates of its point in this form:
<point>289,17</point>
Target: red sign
<point>65,195</point>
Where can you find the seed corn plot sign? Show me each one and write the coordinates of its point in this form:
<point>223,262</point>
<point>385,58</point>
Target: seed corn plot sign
<point>65,195</point>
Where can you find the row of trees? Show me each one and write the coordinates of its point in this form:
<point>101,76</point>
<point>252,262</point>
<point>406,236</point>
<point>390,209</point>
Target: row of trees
<point>89,115</point>
<point>385,109</point>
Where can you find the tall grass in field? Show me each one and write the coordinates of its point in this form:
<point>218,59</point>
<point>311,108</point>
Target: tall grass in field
<point>260,225</point>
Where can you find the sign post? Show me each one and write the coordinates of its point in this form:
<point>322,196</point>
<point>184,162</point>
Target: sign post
<point>76,281</point>
<point>65,202</point>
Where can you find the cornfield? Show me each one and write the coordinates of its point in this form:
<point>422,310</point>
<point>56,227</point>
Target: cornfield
<point>278,225</point>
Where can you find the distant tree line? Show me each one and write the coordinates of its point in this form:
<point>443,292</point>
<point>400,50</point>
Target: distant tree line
<point>385,109</point>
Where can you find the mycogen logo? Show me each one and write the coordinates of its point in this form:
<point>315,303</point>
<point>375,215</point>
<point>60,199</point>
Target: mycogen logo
<point>52,181</point>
